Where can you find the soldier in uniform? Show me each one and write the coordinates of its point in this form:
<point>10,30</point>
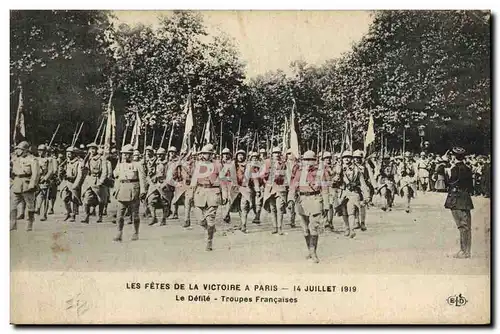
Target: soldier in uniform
<point>275,192</point>
<point>256,165</point>
<point>423,172</point>
<point>227,185</point>
<point>46,166</point>
<point>305,191</point>
<point>262,154</point>
<point>130,190</point>
<point>157,195</point>
<point>386,182</point>
<point>54,181</point>
<point>330,194</point>
<point>172,159</point>
<point>181,172</point>
<point>291,166</point>
<point>406,182</point>
<point>208,194</point>
<point>26,175</point>
<point>459,201</point>
<point>366,171</point>
<point>93,192</point>
<point>353,192</point>
<point>149,165</point>
<point>70,187</point>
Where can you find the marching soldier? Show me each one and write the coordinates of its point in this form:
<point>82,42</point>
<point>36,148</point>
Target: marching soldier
<point>406,182</point>
<point>291,165</point>
<point>330,193</point>
<point>275,192</point>
<point>157,195</point>
<point>459,201</point>
<point>306,191</point>
<point>423,172</point>
<point>149,164</point>
<point>386,182</point>
<point>245,188</point>
<point>172,161</point>
<point>354,192</point>
<point>70,187</point>
<point>93,193</point>
<point>130,190</point>
<point>256,165</point>
<point>208,194</point>
<point>46,166</point>
<point>262,154</point>
<point>136,156</point>
<point>361,212</point>
<point>26,175</point>
<point>227,185</point>
<point>181,172</point>
<point>54,181</point>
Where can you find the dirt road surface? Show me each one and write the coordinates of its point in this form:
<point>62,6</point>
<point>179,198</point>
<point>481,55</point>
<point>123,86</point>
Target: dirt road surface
<point>396,242</point>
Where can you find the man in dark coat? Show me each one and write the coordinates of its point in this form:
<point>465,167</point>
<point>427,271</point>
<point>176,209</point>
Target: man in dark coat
<point>459,200</point>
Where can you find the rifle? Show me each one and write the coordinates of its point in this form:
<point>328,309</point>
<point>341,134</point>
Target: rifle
<point>54,135</point>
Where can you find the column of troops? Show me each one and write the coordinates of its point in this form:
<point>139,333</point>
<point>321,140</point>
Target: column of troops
<point>316,186</point>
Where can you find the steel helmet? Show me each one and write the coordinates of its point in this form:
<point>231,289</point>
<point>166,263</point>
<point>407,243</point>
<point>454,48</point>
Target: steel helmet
<point>161,150</point>
<point>309,155</point>
<point>327,154</point>
<point>172,149</point>
<point>127,149</point>
<point>347,153</point>
<point>357,154</point>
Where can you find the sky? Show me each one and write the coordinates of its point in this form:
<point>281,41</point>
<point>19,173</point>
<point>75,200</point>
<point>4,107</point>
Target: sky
<point>270,40</point>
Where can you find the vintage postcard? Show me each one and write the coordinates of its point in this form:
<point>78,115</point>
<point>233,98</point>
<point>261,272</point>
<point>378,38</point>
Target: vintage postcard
<point>250,167</point>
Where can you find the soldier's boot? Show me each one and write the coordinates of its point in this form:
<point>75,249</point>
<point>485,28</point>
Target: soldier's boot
<point>347,229</point>
<point>243,226</point>
<point>187,223</point>
<point>210,237</point>
<point>101,209</point>
<point>312,248</point>
<point>468,243</point>
<point>227,219</point>
<point>176,212</point>
<point>67,207</point>
<point>362,217</point>
<point>166,210</point>
<point>152,210</point>
<point>31,219</point>
<point>74,213</point>
<point>121,223</point>
<point>390,202</point>
<point>275,223</point>
<point>44,210</point>
<point>308,244</point>
<point>408,199</point>
<point>280,223</point>
<point>330,219</point>
<point>52,203</point>
<point>292,218</point>
<point>187,213</point>
<point>13,219</point>
<point>105,210</point>
<point>256,219</point>
<point>86,215</point>
<point>357,226</point>
<point>353,233</point>
<point>147,213</point>
<point>92,211</point>
<point>461,252</point>
<point>22,211</point>
<point>135,236</point>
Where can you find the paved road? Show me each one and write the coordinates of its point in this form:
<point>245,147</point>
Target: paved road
<point>420,242</point>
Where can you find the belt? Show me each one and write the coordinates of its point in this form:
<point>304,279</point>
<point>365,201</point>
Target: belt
<point>71,179</point>
<point>313,193</point>
<point>207,186</point>
<point>129,181</point>
<point>24,176</point>
<point>95,175</point>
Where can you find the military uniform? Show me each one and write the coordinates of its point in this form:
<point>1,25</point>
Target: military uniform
<point>353,192</point>
<point>406,180</point>
<point>208,194</point>
<point>130,188</point>
<point>93,192</point>
<point>172,162</point>
<point>158,196</point>
<point>229,188</point>
<point>330,192</point>
<point>258,182</point>
<point>182,173</point>
<point>26,175</point>
<point>70,184</point>
<point>306,191</point>
<point>275,191</point>
<point>386,182</point>
<point>46,165</point>
<point>423,172</point>
<point>291,167</point>
<point>459,201</point>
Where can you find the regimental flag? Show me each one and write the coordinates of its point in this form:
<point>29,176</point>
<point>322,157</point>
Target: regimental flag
<point>370,134</point>
<point>294,138</point>
<point>188,128</point>
<point>19,126</point>
<point>113,126</point>
<point>136,131</point>
<point>208,127</point>
<point>285,136</point>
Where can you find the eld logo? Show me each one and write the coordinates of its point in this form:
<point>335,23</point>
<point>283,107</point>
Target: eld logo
<point>457,300</point>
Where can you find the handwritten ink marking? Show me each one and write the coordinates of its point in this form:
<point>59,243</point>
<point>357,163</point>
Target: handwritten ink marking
<point>78,305</point>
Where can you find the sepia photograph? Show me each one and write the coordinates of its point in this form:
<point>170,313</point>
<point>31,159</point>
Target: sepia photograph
<point>250,167</point>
